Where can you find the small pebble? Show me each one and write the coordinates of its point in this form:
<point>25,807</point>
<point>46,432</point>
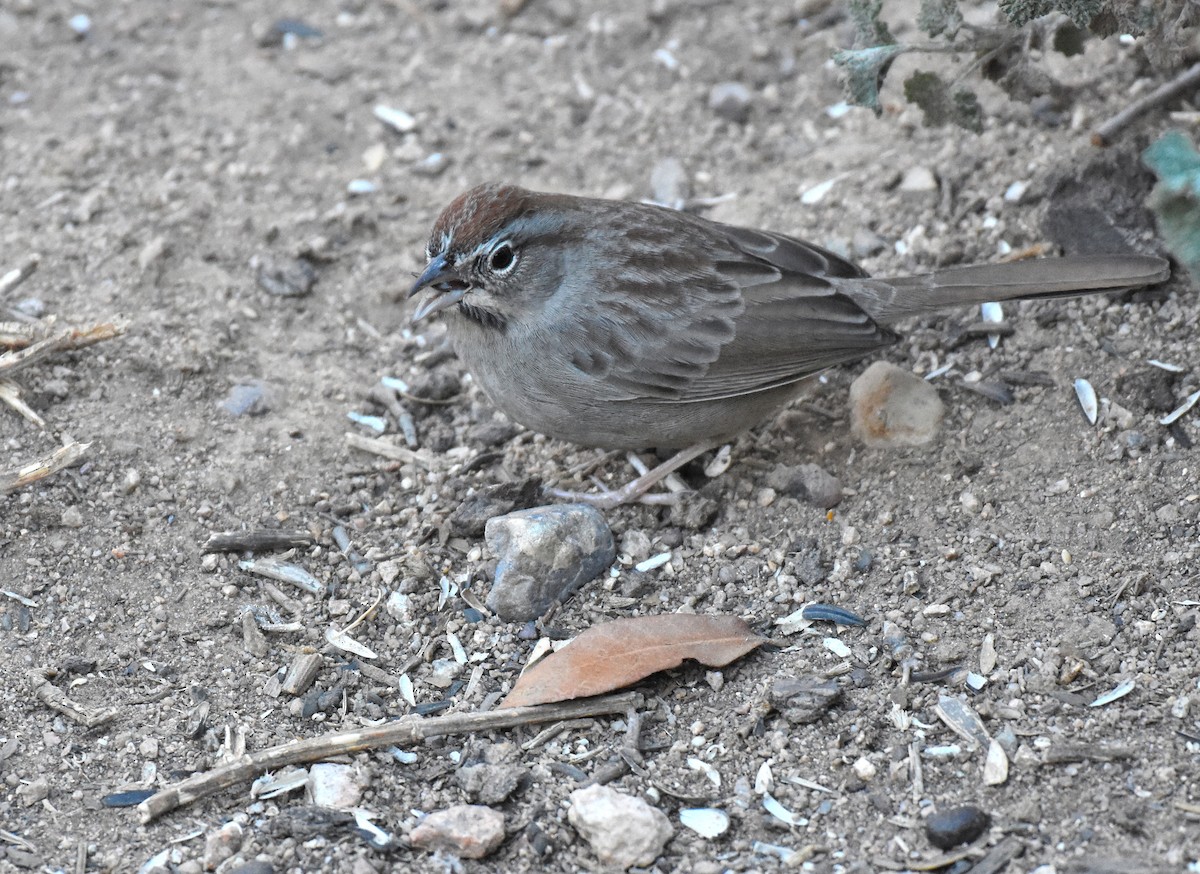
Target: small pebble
<point>221,844</point>
<point>808,482</point>
<point>918,180</point>
<point>432,165</point>
<point>731,101</point>
<point>1015,192</point>
<point>891,407</point>
<point>396,119</point>
<point>333,785</point>
<point>545,555</point>
<point>958,825</point>
<point>622,830</point>
<point>469,831</point>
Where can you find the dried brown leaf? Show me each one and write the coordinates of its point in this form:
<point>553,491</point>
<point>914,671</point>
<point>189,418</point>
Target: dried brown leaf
<point>618,653</point>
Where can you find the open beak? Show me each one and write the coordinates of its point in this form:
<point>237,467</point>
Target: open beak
<point>448,285</point>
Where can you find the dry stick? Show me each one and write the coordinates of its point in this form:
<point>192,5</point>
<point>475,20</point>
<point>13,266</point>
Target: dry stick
<point>36,470</point>
<point>19,274</point>
<point>10,393</point>
<point>404,731</point>
<point>257,540</point>
<point>387,449</point>
<point>56,699</point>
<point>1109,130</point>
<point>71,338</point>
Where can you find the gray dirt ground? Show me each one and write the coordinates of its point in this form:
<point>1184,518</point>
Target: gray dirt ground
<point>157,163</point>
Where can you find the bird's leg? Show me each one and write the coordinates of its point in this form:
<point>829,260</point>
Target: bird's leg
<point>636,490</point>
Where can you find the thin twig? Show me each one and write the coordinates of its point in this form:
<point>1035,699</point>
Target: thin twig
<point>71,338</point>
<point>10,393</point>
<point>408,730</point>
<point>44,467</point>
<point>379,446</point>
<point>1111,129</point>
<point>256,540</point>
<point>56,699</point>
<point>19,274</point>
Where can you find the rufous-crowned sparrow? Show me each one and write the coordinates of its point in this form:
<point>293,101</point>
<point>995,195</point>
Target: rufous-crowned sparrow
<point>625,325</point>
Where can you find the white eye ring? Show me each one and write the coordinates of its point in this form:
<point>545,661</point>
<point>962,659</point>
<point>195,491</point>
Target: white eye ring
<point>503,258</point>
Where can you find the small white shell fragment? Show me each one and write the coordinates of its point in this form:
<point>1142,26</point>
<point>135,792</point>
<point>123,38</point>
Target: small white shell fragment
<point>992,311</point>
<point>541,649</point>
<point>995,766</point>
<point>668,60</point>
<point>397,119</point>
<point>713,775</point>
<point>817,193</point>
<point>1175,414</point>
<point>404,757</point>
<point>375,836</point>
<point>361,186</point>
<point>395,383</point>
<point>378,424</point>
<point>708,822</point>
<point>1165,365</point>
<point>936,610</point>
<point>836,647</point>
<point>273,785</point>
<point>987,654</point>
<point>837,110</point>
<point>720,462</point>
<point>456,647</point>
<point>406,690</point>
<point>1016,191</point>
<point>864,769</point>
<point>1087,400</point>
<point>780,812</point>
<point>448,590</point>
<point>764,780</point>
<point>945,751</point>
<point>340,639</point>
<point>794,622</point>
<point>939,371</point>
<point>976,681</point>
<point>80,23</point>
<point>1120,691</point>
<point>652,563</point>
<point>783,854</point>
<point>284,572</point>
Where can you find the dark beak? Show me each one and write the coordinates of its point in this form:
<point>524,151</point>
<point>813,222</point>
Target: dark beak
<point>450,287</point>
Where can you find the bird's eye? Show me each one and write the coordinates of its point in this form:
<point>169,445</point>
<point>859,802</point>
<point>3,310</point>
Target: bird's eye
<point>502,258</point>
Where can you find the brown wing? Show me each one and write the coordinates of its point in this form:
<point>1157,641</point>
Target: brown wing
<point>757,313</point>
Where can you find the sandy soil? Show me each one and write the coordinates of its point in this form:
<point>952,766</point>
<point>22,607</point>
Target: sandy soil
<point>163,163</point>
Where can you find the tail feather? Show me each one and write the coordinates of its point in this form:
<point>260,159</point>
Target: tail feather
<point>888,300</point>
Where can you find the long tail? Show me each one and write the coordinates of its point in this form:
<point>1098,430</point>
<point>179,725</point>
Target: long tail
<point>1050,277</point>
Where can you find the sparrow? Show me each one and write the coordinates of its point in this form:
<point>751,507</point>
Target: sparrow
<point>626,325</point>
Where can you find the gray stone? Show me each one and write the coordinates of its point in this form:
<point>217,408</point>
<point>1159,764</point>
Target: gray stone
<point>490,784</point>
<point>470,518</point>
<point>546,554</point>
<point>731,101</point>
<point>959,825</point>
<point>808,482</point>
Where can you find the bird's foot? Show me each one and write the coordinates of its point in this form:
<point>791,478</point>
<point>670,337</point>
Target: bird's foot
<point>638,490</point>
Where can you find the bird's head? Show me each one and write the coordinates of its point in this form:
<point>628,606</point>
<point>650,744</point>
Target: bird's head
<point>491,252</point>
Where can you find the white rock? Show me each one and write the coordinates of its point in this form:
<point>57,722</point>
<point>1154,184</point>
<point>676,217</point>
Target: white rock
<point>890,406</point>
<point>333,785</point>
<point>623,831</point>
